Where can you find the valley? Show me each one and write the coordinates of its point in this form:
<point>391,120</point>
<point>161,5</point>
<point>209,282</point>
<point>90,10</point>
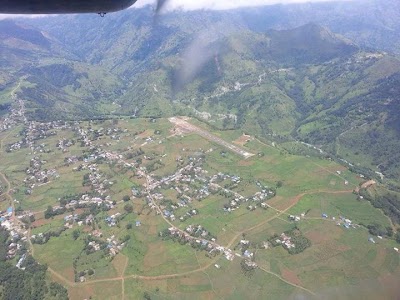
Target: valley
<point>137,207</point>
<point>249,153</point>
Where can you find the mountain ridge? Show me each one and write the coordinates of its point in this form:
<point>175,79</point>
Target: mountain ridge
<point>307,82</point>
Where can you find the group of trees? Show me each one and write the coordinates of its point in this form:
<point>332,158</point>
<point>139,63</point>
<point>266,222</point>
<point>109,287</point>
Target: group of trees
<point>26,284</point>
<point>50,212</point>
<point>136,153</point>
<point>377,229</point>
<point>389,202</point>
<point>47,235</point>
<point>128,208</point>
<point>397,236</point>
<point>300,242</point>
<point>155,165</point>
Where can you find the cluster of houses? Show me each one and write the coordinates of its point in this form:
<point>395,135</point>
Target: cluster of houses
<point>71,160</point>
<point>64,144</point>
<point>180,176</point>
<point>186,181</point>
<point>37,131</point>
<point>97,180</point>
<point>208,245</point>
<point>255,201</point>
<point>111,244</point>
<point>248,256</point>
<point>183,182</point>
<point>71,219</point>
<point>83,136</point>
<point>93,246</point>
<point>199,231</point>
<point>17,233</point>
<point>285,241</point>
<point>189,214</point>
<point>38,238</point>
<point>113,132</point>
<point>15,117</point>
<point>113,219</point>
<point>341,221</point>
<point>36,175</point>
<point>296,218</point>
<point>85,200</point>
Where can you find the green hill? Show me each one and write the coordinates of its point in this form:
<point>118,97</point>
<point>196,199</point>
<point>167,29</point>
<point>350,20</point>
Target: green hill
<point>226,68</point>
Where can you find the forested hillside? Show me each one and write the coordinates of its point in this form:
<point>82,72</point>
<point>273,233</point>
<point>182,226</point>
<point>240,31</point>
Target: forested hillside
<point>233,69</point>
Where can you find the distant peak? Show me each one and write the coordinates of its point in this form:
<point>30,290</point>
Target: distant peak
<point>309,43</point>
<point>11,29</point>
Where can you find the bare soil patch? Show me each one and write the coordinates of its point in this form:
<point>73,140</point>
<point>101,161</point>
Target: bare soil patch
<point>119,263</point>
<point>242,140</point>
<point>245,163</point>
<point>368,183</point>
<point>40,222</point>
<point>290,276</point>
<point>69,273</point>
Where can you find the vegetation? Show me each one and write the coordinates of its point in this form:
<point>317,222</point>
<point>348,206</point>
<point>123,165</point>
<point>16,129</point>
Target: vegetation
<point>50,212</point>
<point>30,283</point>
<point>86,232</point>
<point>340,105</point>
<point>386,200</point>
<point>280,87</point>
<point>128,208</point>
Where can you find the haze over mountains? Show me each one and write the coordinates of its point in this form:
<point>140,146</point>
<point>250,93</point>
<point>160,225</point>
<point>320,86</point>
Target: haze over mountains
<point>278,70</point>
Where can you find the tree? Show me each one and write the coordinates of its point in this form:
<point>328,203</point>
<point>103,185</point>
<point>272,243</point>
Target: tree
<point>126,198</point>
<point>128,208</point>
<point>90,272</point>
<point>398,237</point>
<point>129,226</point>
<point>75,234</point>
<point>389,231</point>
<point>49,212</point>
<point>376,229</point>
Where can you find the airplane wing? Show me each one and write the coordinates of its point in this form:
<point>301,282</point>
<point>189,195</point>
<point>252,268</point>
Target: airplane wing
<point>62,6</point>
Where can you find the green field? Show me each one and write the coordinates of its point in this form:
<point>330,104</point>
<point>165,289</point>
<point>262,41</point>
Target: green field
<point>149,265</point>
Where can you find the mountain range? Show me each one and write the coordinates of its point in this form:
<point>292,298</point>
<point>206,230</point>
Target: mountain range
<point>323,73</point>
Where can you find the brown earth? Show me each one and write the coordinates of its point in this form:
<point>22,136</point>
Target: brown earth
<point>242,140</point>
<point>368,183</point>
<point>290,276</point>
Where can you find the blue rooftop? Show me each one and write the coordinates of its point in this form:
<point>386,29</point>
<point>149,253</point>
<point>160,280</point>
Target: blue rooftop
<point>10,209</point>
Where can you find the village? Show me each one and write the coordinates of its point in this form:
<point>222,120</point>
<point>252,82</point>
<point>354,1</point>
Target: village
<point>97,210</point>
<point>186,181</point>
